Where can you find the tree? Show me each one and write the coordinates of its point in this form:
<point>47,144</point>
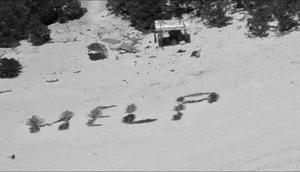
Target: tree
<point>22,19</point>
<point>141,14</point>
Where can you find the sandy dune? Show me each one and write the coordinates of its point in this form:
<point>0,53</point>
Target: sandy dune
<point>253,126</point>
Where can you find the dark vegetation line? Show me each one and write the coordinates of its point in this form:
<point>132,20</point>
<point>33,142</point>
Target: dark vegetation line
<point>142,14</point>
<point>28,19</point>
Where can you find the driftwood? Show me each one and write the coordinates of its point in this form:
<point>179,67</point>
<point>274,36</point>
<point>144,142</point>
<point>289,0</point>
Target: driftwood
<point>51,81</point>
<point>128,48</point>
<point>5,91</point>
<point>111,41</point>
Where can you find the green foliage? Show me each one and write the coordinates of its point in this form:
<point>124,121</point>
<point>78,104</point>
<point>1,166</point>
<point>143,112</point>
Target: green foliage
<point>66,116</point>
<point>131,108</point>
<point>96,113</point>
<point>214,12</point>
<point>35,123</point>
<point>22,19</point>
<point>129,119</point>
<point>258,24</point>
<point>141,14</point>
<point>38,33</point>
<point>284,11</point>
<point>9,68</point>
<point>213,97</point>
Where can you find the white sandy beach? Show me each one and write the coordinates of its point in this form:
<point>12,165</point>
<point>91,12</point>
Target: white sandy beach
<point>254,126</point>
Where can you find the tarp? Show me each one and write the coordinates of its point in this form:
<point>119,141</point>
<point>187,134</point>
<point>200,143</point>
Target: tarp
<point>128,48</point>
<point>111,41</point>
<point>167,25</point>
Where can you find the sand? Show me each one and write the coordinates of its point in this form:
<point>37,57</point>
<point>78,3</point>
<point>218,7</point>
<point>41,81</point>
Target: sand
<point>253,126</point>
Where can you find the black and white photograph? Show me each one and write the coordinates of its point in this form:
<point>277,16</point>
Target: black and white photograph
<point>150,85</point>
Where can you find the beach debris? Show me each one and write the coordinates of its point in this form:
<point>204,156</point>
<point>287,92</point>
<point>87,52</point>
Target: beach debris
<point>5,91</point>
<point>111,41</point>
<point>97,51</point>
<point>79,71</point>
<point>13,156</point>
<point>142,121</point>
<point>181,51</point>
<point>51,81</point>
<point>128,48</point>
<point>196,53</point>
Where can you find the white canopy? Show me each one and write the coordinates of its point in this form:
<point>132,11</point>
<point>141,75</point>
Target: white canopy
<point>167,25</point>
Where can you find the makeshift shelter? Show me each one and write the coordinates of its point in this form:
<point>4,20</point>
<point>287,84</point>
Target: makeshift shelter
<point>171,32</point>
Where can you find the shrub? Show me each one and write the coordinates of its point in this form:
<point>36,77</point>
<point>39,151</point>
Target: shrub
<point>141,14</point>
<point>22,19</point>
<point>129,119</point>
<point>38,32</point>
<point>35,123</point>
<point>284,12</point>
<point>258,24</point>
<point>214,12</point>
<point>9,68</point>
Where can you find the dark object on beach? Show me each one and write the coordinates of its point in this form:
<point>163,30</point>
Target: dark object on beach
<point>66,116</point>
<point>177,117</point>
<point>213,97</point>
<point>179,107</point>
<point>128,48</point>
<point>96,56</point>
<point>180,99</point>
<point>64,126</point>
<point>111,41</point>
<point>144,121</point>
<point>51,81</point>
<point>13,156</point>
<point>196,53</point>
<point>10,68</point>
<point>129,119</point>
<point>97,51</point>
<point>181,51</point>
<point>35,123</point>
<point>5,91</point>
<point>131,108</point>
